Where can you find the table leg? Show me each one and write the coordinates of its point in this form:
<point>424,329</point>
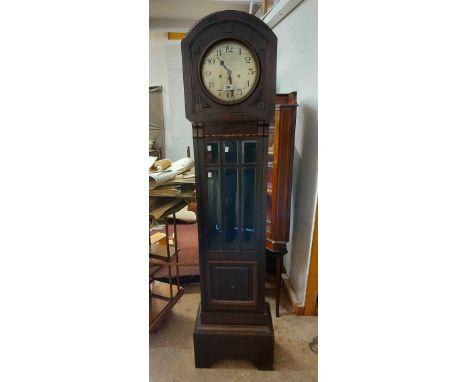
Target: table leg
<point>279,268</point>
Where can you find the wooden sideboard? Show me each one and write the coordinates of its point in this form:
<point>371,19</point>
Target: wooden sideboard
<point>280,169</point>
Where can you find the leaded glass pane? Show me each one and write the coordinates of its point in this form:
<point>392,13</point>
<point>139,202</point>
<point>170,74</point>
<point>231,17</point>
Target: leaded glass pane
<point>250,151</point>
<point>248,193</point>
<point>231,208</point>
<point>214,209</point>
<point>230,152</point>
<point>212,153</point>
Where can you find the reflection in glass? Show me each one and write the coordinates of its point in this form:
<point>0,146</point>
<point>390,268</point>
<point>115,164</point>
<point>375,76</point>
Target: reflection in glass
<point>214,210</point>
<point>230,152</point>
<point>250,151</point>
<point>271,147</point>
<point>230,208</point>
<point>212,153</point>
<point>248,193</point>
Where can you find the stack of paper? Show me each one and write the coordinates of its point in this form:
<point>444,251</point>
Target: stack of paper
<point>163,206</point>
<point>166,190</point>
<point>161,177</point>
<point>187,177</point>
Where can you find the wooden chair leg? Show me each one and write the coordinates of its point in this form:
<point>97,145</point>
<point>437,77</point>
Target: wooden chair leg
<point>279,269</point>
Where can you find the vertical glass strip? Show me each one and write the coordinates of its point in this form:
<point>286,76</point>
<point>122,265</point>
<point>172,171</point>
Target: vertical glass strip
<point>231,208</point>
<point>248,193</point>
<point>249,152</point>
<point>213,217</point>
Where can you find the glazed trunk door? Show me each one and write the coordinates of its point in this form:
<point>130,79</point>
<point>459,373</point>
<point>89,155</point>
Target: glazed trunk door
<point>231,175</point>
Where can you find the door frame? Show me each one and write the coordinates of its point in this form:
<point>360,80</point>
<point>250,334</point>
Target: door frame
<point>311,297</point>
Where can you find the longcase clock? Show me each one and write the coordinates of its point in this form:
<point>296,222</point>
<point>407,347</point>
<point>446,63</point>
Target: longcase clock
<point>229,68</point>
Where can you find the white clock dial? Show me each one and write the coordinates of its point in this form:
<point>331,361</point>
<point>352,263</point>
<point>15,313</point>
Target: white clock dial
<point>229,71</point>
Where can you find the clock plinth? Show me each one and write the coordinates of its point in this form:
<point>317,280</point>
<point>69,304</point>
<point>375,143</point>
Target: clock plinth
<point>254,343</point>
<point>229,66</point>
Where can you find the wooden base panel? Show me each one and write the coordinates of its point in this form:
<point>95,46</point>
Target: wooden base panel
<point>254,343</point>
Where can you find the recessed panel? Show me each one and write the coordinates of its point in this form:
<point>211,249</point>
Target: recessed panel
<point>231,282</point>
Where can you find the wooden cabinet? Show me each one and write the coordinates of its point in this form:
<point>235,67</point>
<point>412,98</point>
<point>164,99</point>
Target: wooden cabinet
<point>279,173</point>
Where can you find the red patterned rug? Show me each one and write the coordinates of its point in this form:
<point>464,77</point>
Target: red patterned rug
<point>187,241</point>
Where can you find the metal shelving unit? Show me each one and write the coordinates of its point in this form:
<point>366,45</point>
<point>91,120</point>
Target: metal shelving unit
<point>164,295</point>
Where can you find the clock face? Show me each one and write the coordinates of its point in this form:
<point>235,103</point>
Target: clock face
<point>229,71</point>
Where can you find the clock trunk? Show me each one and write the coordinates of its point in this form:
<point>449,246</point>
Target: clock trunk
<point>231,178</point>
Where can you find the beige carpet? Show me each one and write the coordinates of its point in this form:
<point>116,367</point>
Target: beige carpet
<point>171,348</point>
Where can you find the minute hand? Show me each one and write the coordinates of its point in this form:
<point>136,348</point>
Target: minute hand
<point>225,67</point>
<point>229,74</point>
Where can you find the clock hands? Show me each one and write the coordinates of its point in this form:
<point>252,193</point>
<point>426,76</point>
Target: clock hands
<point>225,67</point>
<point>229,74</point>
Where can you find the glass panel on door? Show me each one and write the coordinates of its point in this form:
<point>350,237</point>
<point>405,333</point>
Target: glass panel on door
<point>213,223</point>
<point>230,152</point>
<point>231,208</point>
<point>248,207</point>
<point>249,152</point>
<point>211,153</point>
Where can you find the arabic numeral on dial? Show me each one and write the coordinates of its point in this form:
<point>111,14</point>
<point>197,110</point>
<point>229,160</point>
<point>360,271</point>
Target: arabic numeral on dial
<point>251,71</point>
<point>207,73</point>
<point>218,52</point>
<point>239,92</point>
<point>248,82</point>
<point>211,84</point>
<point>229,48</point>
<point>240,51</point>
<point>210,61</point>
<point>220,92</point>
<point>247,59</point>
<point>230,95</point>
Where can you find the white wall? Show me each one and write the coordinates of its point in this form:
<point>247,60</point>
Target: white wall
<point>165,68</point>
<point>297,71</point>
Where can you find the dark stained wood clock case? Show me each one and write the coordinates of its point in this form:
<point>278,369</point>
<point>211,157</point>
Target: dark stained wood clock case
<point>230,150</point>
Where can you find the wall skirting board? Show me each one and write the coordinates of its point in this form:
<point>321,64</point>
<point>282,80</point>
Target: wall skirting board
<point>291,296</point>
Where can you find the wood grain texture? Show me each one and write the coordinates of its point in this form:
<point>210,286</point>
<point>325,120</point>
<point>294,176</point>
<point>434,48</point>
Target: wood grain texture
<point>280,176</point>
<point>254,343</point>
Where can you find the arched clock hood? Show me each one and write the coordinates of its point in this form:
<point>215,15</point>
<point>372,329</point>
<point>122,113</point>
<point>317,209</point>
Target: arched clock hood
<point>259,106</point>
